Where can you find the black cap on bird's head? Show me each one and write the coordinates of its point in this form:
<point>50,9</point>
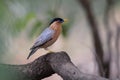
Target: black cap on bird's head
<point>57,19</point>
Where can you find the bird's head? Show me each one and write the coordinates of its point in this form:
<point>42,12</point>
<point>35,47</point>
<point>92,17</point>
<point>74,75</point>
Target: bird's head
<point>60,20</point>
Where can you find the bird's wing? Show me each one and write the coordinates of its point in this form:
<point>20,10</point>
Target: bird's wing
<point>45,36</point>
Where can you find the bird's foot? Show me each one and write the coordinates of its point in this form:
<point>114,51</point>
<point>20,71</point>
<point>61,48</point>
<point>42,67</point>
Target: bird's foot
<point>49,51</point>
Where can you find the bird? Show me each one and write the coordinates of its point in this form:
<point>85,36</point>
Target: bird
<point>48,36</point>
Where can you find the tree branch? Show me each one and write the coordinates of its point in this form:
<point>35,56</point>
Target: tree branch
<point>45,66</point>
<point>86,4</point>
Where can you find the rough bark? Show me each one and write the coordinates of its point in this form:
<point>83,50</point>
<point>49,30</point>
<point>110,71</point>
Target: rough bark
<point>45,66</point>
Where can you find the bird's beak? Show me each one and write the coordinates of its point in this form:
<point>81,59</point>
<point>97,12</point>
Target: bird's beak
<point>65,20</point>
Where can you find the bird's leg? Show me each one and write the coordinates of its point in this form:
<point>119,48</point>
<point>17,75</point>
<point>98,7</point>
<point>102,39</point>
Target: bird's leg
<point>48,50</point>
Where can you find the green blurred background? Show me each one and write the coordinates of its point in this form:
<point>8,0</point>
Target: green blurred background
<point>21,21</point>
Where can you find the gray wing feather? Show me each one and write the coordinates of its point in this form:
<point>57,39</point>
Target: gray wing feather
<point>45,36</point>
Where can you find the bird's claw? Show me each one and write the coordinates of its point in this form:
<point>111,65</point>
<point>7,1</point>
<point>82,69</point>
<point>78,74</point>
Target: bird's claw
<point>49,51</point>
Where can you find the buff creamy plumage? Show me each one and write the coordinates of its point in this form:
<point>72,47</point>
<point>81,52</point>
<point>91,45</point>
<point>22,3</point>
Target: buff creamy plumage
<point>48,36</point>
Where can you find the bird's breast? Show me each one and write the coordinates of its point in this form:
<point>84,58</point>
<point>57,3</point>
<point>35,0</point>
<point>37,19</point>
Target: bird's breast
<point>57,27</point>
<point>54,38</point>
<point>57,33</point>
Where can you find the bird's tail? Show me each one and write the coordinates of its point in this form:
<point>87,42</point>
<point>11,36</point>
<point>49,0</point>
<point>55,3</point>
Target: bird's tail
<point>32,52</point>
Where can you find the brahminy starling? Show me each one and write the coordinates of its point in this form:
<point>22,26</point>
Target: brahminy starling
<point>48,36</point>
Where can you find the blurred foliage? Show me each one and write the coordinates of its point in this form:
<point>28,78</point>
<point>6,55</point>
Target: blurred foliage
<point>2,37</point>
<point>16,16</point>
<point>67,25</point>
<point>8,72</point>
<point>2,47</point>
<point>20,24</point>
<point>35,29</point>
<point>31,17</point>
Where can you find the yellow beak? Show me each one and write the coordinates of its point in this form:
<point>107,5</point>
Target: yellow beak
<point>65,20</point>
